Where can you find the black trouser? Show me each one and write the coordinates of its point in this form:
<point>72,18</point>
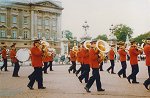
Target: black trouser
<point>50,65</point>
<point>112,66</point>
<point>101,66</point>
<point>85,74</point>
<point>147,82</point>
<point>123,70</point>
<point>16,69</point>
<point>73,67</point>
<point>95,76</point>
<point>4,65</point>
<point>135,70</point>
<point>79,70</point>
<point>36,75</point>
<point>45,67</point>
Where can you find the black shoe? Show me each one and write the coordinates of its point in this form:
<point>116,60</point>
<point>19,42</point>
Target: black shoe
<point>80,80</point>
<point>87,89</point>
<point>51,70</point>
<point>6,70</point>
<point>100,90</point>
<point>135,82</point>
<point>1,68</point>
<point>113,73</point>
<point>119,75</point>
<point>128,79</point>
<point>124,76</point>
<point>146,86</point>
<point>15,76</point>
<point>45,73</point>
<point>69,70</point>
<point>31,88</point>
<point>108,71</point>
<point>41,87</point>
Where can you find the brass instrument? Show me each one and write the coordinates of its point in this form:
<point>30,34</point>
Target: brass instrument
<point>45,48</point>
<point>103,47</point>
<point>87,44</point>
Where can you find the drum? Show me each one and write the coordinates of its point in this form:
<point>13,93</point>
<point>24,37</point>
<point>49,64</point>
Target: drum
<point>23,55</point>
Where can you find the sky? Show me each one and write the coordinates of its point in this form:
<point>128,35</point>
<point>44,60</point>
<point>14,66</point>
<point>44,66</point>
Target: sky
<point>100,14</point>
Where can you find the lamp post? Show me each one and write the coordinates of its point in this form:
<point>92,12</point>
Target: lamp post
<point>85,27</point>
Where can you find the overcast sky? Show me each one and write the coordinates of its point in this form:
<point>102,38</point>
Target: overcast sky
<point>100,14</point>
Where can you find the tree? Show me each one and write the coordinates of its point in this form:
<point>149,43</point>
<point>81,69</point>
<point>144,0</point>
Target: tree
<point>68,34</point>
<point>102,37</point>
<point>121,31</point>
<point>141,37</point>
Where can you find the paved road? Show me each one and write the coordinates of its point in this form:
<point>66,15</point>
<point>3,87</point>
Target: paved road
<point>61,84</point>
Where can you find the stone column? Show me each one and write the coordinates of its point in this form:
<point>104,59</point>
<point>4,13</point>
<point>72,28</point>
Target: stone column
<point>9,21</point>
<point>32,24</point>
<point>59,34</point>
<point>20,22</point>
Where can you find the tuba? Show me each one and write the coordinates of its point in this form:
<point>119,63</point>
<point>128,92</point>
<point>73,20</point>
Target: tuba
<point>87,44</point>
<point>103,47</point>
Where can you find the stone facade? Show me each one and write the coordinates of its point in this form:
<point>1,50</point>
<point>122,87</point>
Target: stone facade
<point>21,22</point>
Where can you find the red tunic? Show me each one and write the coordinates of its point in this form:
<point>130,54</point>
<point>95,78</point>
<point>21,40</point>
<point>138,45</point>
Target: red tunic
<point>13,56</point>
<point>122,54</point>
<point>111,54</point>
<point>86,56</point>
<point>51,57</point>
<point>93,58</point>
<point>72,56</point>
<point>147,53</point>
<point>133,55</point>
<point>4,54</point>
<point>36,57</point>
<point>79,56</point>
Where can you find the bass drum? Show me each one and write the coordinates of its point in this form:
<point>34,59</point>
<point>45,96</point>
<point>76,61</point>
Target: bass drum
<point>23,54</point>
<point>1,61</point>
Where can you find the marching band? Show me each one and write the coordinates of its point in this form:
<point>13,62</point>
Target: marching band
<point>89,54</point>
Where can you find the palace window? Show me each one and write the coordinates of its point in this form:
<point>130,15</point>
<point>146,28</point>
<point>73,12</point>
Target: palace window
<point>39,21</point>
<point>14,34</point>
<point>54,22</point>
<point>25,35</point>
<point>14,19</point>
<point>25,20</point>
<point>2,18</point>
<point>2,33</point>
<point>46,22</point>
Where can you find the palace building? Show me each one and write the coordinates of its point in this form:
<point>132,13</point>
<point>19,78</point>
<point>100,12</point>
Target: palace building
<point>21,22</point>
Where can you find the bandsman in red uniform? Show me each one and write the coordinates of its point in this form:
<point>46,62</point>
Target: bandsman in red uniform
<point>85,66</point>
<point>111,55</point>
<point>73,57</point>
<point>45,58</point>
<point>80,57</point>
<point>133,52</point>
<point>36,60</point>
<point>51,58</point>
<point>4,56</point>
<point>14,60</point>
<point>147,53</point>
<point>94,64</point>
<point>123,55</point>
